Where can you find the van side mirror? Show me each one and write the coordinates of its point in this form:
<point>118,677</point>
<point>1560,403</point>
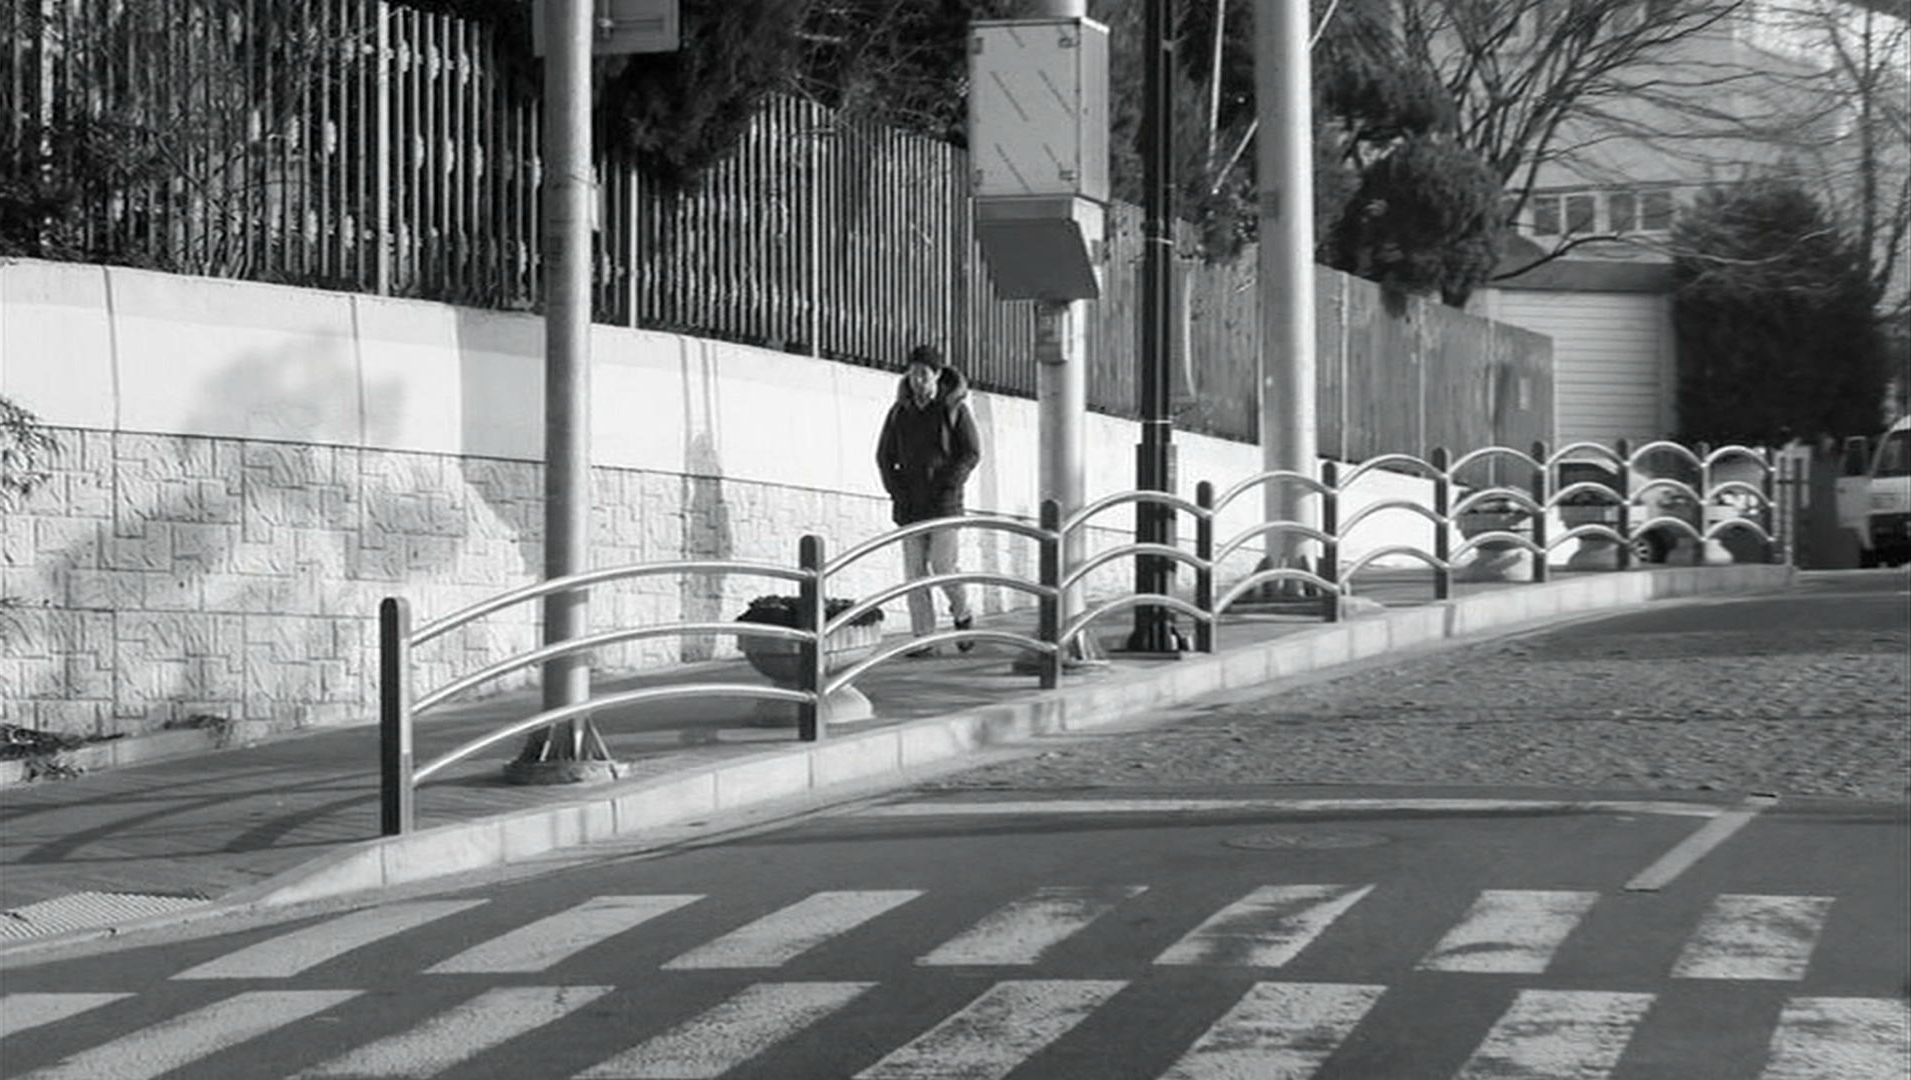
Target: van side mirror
<point>1857,456</point>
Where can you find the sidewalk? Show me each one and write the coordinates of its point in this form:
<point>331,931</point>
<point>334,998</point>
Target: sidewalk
<point>193,833</point>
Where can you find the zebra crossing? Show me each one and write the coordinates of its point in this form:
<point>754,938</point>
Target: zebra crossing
<point>1270,1027</point>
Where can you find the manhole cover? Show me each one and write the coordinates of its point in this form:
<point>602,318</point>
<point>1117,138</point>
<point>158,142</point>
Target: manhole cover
<point>1304,840</point>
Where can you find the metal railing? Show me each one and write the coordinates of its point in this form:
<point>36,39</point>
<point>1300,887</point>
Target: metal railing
<point>1525,512</point>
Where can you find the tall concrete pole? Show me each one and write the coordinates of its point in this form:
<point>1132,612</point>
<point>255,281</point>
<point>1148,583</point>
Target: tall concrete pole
<point>1283,96</point>
<point>567,194</point>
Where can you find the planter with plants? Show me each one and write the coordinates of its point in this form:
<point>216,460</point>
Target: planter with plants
<point>1494,560</point>
<point>777,658</point>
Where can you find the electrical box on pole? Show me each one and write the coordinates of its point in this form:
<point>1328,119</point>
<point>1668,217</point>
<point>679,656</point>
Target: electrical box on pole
<point>1038,154</point>
<point>621,26</point>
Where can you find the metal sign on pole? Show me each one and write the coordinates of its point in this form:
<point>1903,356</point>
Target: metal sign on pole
<point>621,26</point>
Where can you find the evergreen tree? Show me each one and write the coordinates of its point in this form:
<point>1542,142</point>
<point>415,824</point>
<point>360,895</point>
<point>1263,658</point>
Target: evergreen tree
<point>1773,311</point>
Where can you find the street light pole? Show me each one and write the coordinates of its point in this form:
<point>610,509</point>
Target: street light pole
<point>559,753</point>
<point>1154,457</point>
<point>1284,104</point>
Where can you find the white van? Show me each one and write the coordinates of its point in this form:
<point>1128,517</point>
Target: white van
<point>1874,496</point>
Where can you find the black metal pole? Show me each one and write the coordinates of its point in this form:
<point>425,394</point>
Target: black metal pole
<point>1154,459</point>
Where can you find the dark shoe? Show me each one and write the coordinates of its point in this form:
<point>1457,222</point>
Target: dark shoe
<point>919,654</point>
<point>965,624</point>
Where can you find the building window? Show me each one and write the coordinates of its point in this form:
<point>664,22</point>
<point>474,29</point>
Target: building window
<point>1655,211</point>
<point>1580,210</point>
<point>1622,212</point>
<point>1545,215</point>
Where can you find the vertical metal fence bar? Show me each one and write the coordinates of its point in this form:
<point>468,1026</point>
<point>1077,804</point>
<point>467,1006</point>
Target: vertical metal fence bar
<point>394,717</point>
<point>381,140</point>
<point>1330,551</point>
<point>813,662</point>
<point>1768,511</point>
<point>1049,611</point>
<point>1204,574</point>
<point>1624,528</point>
<point>1443,526</point>
<point>1542,496</point>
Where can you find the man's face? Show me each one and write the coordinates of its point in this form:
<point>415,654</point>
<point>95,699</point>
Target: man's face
<point>922,381</point>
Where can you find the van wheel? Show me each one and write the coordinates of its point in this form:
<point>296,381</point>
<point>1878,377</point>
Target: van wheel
<point>1649,548</point>
<point>1867,558</point>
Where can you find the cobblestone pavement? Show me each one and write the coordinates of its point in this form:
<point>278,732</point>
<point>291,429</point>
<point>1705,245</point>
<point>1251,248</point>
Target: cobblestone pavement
<point>1802,694</point>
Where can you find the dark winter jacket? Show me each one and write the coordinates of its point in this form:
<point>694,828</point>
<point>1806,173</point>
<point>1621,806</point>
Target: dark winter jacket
<point>926,454</point>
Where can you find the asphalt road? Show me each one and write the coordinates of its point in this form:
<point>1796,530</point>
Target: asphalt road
<point>1162,927</point>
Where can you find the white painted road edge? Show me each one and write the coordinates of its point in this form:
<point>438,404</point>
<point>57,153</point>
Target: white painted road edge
<point>1695,847</point>
<point>895,756</point>
<point>1431,805</point>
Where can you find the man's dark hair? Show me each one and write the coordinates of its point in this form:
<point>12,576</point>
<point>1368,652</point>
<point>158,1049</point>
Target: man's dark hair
<point>927,355</point>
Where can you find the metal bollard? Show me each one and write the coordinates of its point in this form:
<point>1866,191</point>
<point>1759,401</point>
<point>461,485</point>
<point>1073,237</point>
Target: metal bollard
<point>394,717</point>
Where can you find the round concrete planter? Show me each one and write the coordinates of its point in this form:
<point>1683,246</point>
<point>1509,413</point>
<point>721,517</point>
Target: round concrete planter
<point>777,659</point>
<point>1495,560</point>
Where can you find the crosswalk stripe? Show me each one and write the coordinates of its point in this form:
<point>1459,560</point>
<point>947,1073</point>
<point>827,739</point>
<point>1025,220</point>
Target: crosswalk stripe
<point>1510,931</point>
<point>540,945</point>
<point>1266,928</point>
<point>1833,1038</point>
<point>1557,1035</point>
<point>789,932</point>
<point>1754,937</point>
<point>1277,1031</point>
<point>724,1037</point>
<point>1022,931</point>
<point>182,1040</point>
<point>485,1021</point>
<point>997,1031</point>
<point>18,1012</point>
<point>289,954</point>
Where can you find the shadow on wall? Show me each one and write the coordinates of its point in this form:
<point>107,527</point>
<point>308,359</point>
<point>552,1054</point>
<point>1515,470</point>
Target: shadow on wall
<point>707,532</point>
<point>238,579</point>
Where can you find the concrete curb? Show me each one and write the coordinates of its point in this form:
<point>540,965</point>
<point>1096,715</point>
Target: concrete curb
<point>860,759</point>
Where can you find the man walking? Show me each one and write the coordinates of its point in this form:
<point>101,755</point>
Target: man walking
<point>926,451</point>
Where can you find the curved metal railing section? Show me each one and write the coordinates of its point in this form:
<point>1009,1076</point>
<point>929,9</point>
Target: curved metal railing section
<point>1496,536</point>
<point>1380,505</point>
<point>1081,622</point>
<point>1577,451</point>
<point>1240,540</point>
<point>573,583</point>
<point>1736,487</point>
<point>1522,457</point>
<point>918,528</point>
<point>1107,502</point>
<point>1272,574</point>
<point>1762,457</point>
<point>1606,494</point>
<point>1101,559</point>
<point>965,577</point>
<point>1591,528</point>
<point>598,641</point>
<point>1678,486</point>
<point>1272,476</point>
<point>1679,450</point>
<point>1354,568</point>
<point>608,701</point>
<point>849,675</point>
<point>1666,521</point>
<point>1421,466</point>
<point>1521,499</point>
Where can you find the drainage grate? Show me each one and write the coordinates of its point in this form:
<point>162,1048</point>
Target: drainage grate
<point>86,910</point>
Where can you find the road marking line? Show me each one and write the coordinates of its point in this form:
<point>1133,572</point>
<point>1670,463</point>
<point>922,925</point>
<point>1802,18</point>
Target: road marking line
<point>1834,1038</point>
<point>997,1031</point>
<point>1277,1031</point>
<point>1037,807</point>
<point>1696,846</point>
<point>1510,931</point>
<point>726,1036</point>
<point>789,932</point>
<point>19,1012</point>
<point>1754,937</point>
<point>541,945</point>
<point>289,954</point>
<point>1557,1035</point>
<point>1266,928</point>
<point>449,1038</point>
<point>182,1040</point>
<point>1021,932</point>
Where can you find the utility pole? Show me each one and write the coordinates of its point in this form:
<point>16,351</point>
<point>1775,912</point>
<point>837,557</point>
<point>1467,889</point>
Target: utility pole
<point>1154,458</point>
<point>1289,436</point>
<point>560,754</point>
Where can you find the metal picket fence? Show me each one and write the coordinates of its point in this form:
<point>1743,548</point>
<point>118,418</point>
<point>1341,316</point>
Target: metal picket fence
<point>1521,513</point>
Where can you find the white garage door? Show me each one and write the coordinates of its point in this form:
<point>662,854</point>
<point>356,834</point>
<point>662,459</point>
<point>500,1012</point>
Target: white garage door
<point>1612,360</point>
